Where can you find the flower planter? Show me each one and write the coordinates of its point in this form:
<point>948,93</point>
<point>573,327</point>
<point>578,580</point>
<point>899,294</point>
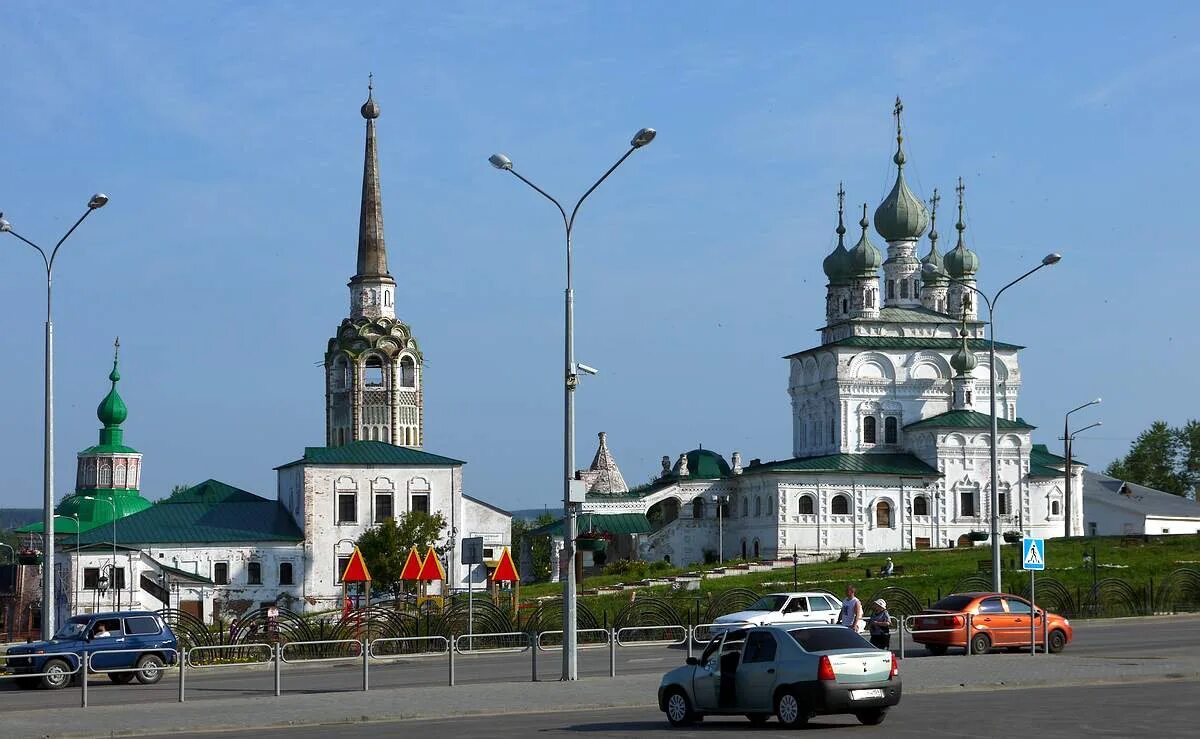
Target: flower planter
<point>1012,537</point>
<point>978,535</point>
<point>592,545</point>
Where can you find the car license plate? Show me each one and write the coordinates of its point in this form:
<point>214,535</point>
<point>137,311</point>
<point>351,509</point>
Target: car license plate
<point>859,695</point>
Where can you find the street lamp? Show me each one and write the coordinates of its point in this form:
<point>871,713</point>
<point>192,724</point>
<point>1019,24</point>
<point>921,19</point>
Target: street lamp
<point>97,201</point>
<point>720,499</point>
<point>500,161</point>
<point>114,540</point>
<point>929,269</point>
<point>1067,453</point>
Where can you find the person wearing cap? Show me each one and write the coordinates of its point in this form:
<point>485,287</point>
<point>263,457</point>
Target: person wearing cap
<point>887,568</point>
<point>880,625</point>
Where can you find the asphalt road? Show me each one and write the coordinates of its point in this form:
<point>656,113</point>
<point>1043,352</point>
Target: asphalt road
<point>1165,709</point>
<point>1139,638</point>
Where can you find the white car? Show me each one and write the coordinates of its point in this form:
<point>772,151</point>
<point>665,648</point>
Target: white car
<point>784,609</point>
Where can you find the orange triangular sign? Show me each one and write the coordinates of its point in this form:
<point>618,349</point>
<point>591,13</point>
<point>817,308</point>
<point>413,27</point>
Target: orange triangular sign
<point>432,569</point>
<point>356,569</point>
<point>506,571</point>
<point>412,566</point>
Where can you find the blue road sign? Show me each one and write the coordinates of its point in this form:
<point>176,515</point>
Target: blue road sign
<point>1034,554</point>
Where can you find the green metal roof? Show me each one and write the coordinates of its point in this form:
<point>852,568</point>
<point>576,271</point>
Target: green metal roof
<point>210,512</point>
<point>907,342</point>
<point>90,508</point>
<point>878,464</point>
<point>1042,462</point>
<point>611,523</point>
<point>372,453</point>
<point>969,420</point>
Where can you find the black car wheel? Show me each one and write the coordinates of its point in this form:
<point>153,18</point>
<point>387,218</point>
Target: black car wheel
<point>758,719</point>
<point>791,709</point>
<point>58,674</point>
<point>981,644</point>
<point>872,716</point>
<point>1058,640</point>
<point>679,708</point>
<point>937,650</point>
<point>149,669</point>
<point>121,678</point>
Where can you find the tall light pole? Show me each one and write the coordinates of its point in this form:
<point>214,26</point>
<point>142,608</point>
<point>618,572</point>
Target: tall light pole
<point>1049,259</point>
<point>114,542</point>
<point>97,201</point>
<point>1067,454</point>
<point>720,499</point>
<point>500,161</point>
<point>1069,445</point>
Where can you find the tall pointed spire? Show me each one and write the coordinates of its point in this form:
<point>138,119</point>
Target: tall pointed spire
<point>372,251</point>
<point>901,216</point>
<point>934,257</point>
<point>837,262</point>
<point>112,411</point>
<point>961,262</point>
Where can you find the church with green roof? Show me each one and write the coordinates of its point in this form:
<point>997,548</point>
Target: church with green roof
<point>890,420</point>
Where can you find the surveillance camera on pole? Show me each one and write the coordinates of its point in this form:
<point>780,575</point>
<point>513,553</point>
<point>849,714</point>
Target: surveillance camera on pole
<point>586,369</point>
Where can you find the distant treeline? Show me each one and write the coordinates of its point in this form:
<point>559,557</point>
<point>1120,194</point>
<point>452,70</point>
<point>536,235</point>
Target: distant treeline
<point>12,518</point>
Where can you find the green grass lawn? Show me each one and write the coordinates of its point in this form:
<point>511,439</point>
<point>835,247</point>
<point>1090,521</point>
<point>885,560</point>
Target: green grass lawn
<point>928,574</point>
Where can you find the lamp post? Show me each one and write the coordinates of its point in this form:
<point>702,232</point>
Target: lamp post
<point>1049,259</point>
<point>99,200</point>
<point>114,539</point>
<point>1067,453</point>
<point>570,669</point>
<point>720,499</point>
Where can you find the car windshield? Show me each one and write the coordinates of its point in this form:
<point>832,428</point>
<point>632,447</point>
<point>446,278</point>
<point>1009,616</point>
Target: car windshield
<point>954,603</point>
<point>72,629</point>
<point>824,639</point>
<point>768,603</point>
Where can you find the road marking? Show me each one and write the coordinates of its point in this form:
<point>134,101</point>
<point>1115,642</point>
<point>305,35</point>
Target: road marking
<point>646,659</point>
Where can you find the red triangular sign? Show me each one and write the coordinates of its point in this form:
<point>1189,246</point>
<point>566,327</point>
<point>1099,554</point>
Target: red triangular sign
<point>356,569</point>
<point>432,569</point>
<point>506,571</point>
<point>412,566</point>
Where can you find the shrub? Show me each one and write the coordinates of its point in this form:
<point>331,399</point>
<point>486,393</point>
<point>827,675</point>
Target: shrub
<point>844,556</point>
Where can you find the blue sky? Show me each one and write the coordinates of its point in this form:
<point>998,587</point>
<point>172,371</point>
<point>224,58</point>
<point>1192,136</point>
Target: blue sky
<point>229,139</point>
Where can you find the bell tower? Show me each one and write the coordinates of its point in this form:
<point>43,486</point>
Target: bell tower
<point>373,365</point>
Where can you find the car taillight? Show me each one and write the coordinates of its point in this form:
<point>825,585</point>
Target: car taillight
<point>895,668</point>
<point>825,669</point>
<point>957,622</point>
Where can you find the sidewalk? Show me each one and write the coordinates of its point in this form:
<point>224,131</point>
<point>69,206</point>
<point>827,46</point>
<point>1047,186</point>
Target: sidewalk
<point>921,676</point>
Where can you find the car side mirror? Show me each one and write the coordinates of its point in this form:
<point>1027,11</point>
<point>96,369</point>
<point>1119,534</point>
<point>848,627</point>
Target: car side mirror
<point>693,661</point>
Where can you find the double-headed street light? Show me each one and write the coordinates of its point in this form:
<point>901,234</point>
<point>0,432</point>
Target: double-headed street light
<point>1067,437</point>
<point>97,201</point>
<point>929,269</point>
<point>500,161</point>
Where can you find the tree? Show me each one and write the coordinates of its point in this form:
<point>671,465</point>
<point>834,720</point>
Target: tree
<point>539,545</point>
<point>175,491</point>
<point>1162,458</point>
<point>386,546</point>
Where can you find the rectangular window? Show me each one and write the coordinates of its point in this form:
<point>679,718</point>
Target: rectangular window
<point>254,573</point>
<point>136,625</point>
<point>420,502</point>
<point>966,504</point>
<point>91,578</point>
<point>285,573</point>
<point>221,573</point>
<point>347,508</point>
<point>1004,504</point>
<point>342,563</point>
<point>383,507</point>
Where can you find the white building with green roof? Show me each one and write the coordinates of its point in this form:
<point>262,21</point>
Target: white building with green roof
<point>890,425</point>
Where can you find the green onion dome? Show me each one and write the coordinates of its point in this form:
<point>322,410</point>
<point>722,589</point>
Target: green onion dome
<point>837,263</point>
<point>865,259</point>
<point>112,410</point>
<point>961,262</point>
<point>963,360</point>
<point>936,275</point>
<point>901,216</point>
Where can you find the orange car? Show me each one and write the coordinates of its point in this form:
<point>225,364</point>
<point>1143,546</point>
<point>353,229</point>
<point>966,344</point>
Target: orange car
<point>998,620</point>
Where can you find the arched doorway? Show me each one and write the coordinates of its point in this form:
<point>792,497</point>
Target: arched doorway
<point>883,515</point>
<point>965,541</point>
<point>663,512</point>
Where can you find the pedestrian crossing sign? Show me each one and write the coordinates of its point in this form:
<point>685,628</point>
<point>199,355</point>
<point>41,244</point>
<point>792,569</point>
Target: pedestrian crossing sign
<point>1034,557</point>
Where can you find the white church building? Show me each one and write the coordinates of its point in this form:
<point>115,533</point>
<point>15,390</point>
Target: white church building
<point>890,425</point>
<point>217,551</point>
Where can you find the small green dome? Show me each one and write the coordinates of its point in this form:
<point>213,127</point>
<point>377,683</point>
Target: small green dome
<point>705,464</point>
<point>936,276</point>
<point>865,258</point>
<point>961,262</point>
<point>963,360</point>
<point>112,410</point>
<point>837,263</point>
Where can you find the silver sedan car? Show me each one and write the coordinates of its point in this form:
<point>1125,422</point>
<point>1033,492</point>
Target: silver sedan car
<point>793,672</point>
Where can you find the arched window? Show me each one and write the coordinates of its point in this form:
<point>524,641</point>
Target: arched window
<point>891,289</point>
<point>869,430</point>
<point>756,548</point>
<point>883,514</point>
<point>408,372</point>
<point>105,474</point>
<point>698,508</point>
<point>845,306</point>
<point>840,505</point>
<point>920,506</point>
<point>806,505</point>
<point>373,372</point>
<point>745,509</point>
<point>758,506</point>
<point>904,288</point>
<point>870,300</point>
<point>889,430</point>
<point>770,505</point>
<point>1055,510</point>
<point>743,548</point>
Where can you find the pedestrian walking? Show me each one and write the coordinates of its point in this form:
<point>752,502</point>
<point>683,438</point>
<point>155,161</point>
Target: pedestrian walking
<point>852,610</point>
<point>880,625</point>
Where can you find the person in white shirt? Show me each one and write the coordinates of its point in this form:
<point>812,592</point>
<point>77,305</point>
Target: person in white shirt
<point>101,631</point>
<point>851,612</point>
